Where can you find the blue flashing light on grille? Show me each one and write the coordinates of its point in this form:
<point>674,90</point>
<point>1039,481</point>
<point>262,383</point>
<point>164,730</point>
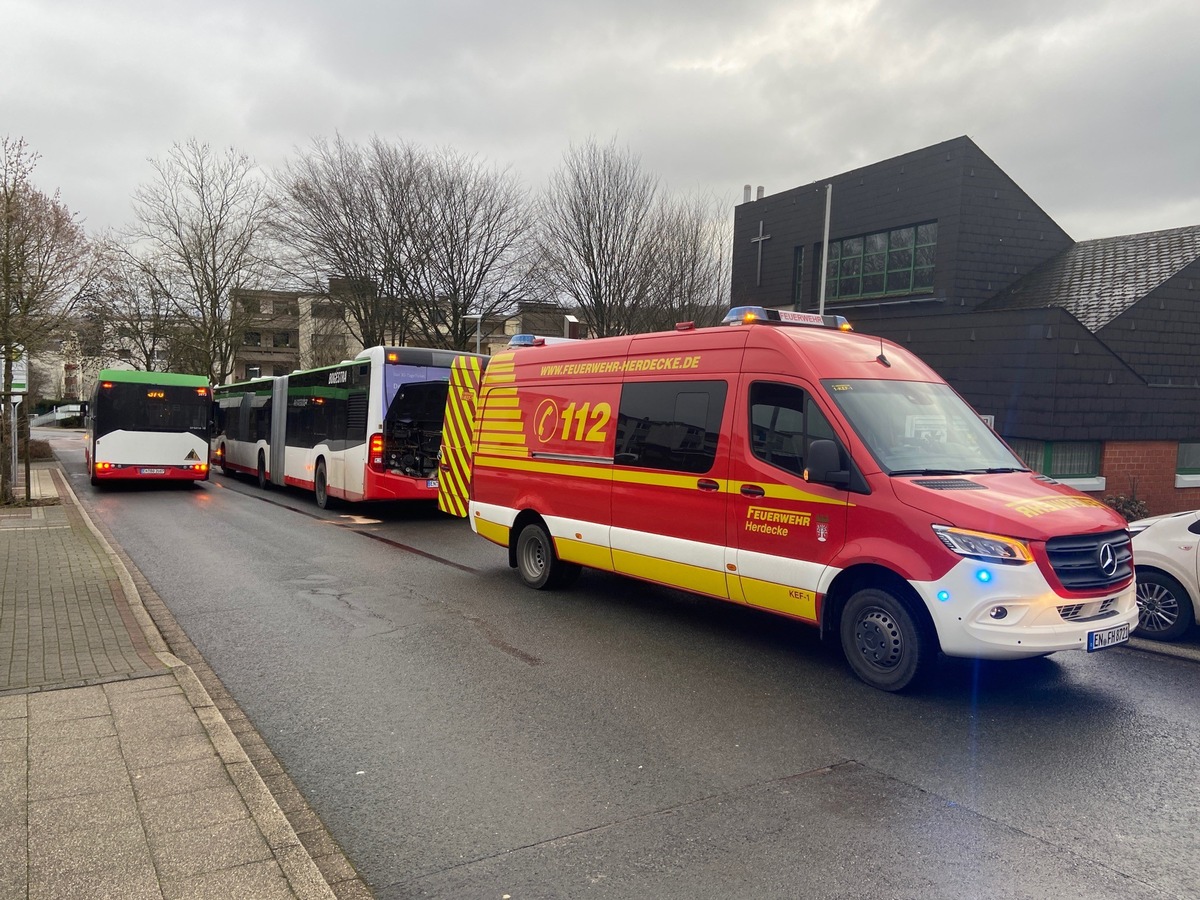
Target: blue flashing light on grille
<point>943,595</point>
<point>746,315</point>
<point>984,575</point>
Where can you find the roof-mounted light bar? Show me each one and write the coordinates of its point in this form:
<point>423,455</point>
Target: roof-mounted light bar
<point>536,340</point>
<point>745,315</point>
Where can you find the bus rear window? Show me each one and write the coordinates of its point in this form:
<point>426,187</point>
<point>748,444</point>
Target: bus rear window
<point>151,407</point>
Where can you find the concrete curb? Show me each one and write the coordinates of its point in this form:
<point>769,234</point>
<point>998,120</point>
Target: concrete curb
<point>294,860</point>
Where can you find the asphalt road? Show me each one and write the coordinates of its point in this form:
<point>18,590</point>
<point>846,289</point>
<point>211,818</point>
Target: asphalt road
<point>463,736</point>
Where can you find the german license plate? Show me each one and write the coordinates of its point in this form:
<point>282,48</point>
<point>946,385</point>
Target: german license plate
<point>1109,637</point>
<point>154,471</point>
<point>431,483</point>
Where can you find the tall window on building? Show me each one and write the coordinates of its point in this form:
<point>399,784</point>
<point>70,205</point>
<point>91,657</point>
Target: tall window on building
<point>798,276</point>
<point>252,338</point>
<point>898,261</point>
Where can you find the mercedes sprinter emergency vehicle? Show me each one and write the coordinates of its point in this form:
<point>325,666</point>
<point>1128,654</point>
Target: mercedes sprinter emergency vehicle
<point>784,462</point>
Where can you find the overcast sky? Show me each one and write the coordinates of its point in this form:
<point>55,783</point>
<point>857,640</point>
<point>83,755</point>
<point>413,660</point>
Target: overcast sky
<point>1091,106</point>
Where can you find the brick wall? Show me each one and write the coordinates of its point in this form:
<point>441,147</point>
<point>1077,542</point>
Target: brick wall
<point>1147,469</point>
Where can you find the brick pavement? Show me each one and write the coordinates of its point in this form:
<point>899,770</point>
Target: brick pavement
<point>119,775</point>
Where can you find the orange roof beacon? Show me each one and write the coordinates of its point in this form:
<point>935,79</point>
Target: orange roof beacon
<point>792,465</point>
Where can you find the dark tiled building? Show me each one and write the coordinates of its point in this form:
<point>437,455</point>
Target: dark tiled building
<point>1083,353</point>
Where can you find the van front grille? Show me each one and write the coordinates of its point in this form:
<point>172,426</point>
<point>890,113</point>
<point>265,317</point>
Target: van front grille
<point>1091,562</point>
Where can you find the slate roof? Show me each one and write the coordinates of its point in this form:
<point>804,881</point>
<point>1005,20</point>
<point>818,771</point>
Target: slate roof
<point>1098,280</point>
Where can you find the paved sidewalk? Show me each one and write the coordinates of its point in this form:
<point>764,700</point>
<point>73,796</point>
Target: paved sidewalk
<point>119,776</point>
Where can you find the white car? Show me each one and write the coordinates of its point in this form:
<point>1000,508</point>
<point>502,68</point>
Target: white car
<point>1167,563</point>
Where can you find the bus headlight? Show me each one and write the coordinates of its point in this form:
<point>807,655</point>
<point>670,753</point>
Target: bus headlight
<point>987,547</point>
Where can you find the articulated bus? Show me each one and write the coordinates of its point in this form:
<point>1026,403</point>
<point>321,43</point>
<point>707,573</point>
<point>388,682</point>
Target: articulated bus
<point>365,429</point>
<point>148,425</point>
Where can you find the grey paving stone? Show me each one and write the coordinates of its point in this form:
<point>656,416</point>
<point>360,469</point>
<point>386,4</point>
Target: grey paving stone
<point>85,850</point>
<point>53,754</point>
<point>129,709</point>
<point>260,881</point>
<point>89,812</point>
<point>12,729</point>
<point>87,777</point>
<point>180,812</point>
<point>152,686</point>
<point>73,729</point>
<point>14,707</point>
<point>180,854</point>
<point>179,778</point>
<point>160,751</point>
<point>124,879</point>
<point>76,703</point>
<point>13,750</point>
<point>13,842</point>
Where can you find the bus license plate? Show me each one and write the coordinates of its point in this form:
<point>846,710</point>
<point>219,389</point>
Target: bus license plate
<point>1109,637</point>
<point>431,483</point>
<point>145,471</point>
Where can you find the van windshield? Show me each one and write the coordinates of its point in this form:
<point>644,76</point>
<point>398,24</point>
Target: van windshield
<point>918,428</point>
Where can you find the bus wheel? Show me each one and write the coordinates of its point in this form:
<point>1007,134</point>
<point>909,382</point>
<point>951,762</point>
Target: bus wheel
<point>321,485</point>
<point>263,484</point>
<point>537,562</point>
<point>886,646</point>
<point>225,470</point>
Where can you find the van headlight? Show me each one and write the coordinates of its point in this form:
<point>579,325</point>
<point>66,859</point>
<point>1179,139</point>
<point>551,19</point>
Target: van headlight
<point>987,547</point>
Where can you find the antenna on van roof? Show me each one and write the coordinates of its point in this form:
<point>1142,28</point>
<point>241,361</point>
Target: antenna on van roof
<point>881,358</point>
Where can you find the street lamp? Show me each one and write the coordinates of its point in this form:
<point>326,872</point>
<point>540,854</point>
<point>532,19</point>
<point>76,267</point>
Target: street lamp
<point>478,317</point>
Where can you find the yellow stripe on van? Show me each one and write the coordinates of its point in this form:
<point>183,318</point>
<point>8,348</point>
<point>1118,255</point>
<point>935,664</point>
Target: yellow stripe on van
<point>783,492</point>
<point>488,436</point>
<point>675,574</point>
<point>585,553</point>
<point>494,424</point>
<point>780,597</point>
<point>497,534</point>
<point>495,452</point>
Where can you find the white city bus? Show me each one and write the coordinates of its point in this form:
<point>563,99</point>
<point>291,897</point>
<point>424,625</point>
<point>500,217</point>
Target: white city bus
<point>365,429</point>
<point>148,426</point>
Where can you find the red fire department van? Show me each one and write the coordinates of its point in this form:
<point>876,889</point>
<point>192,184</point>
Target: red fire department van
<point>797,467</point>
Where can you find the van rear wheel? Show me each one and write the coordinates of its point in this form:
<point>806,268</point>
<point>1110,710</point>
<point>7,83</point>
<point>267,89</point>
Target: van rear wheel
<point>537,562</point>
<point>884,643</point>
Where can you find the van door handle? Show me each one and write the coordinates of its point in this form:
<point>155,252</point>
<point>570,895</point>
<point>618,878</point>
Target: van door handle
<point>707,484</point>
<point>752,490</point>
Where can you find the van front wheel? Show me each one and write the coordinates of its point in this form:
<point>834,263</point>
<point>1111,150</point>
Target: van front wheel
<point>537,562</point>
<point>886,646</point>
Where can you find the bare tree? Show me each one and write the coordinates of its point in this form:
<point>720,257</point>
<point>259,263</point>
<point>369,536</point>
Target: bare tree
<point>472,230</point>
<point>202,237</point>
<point>597,240</point>
<point>692,264</point>
<point>45,264</point>
<point>127,317</point>
<point>345,212</point>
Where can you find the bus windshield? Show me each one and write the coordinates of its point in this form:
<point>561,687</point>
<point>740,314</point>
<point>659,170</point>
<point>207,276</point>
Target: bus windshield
<point>918,428</point>
<point>128,406</point>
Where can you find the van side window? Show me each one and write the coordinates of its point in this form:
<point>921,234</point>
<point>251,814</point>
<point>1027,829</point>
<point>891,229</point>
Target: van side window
<point>672,425</point>
<point>784,421</point>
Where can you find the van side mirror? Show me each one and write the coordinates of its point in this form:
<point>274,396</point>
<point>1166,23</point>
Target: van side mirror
<point>825,464</point>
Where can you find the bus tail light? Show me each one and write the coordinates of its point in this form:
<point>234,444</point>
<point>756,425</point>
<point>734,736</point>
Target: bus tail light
<point>375,456</point>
